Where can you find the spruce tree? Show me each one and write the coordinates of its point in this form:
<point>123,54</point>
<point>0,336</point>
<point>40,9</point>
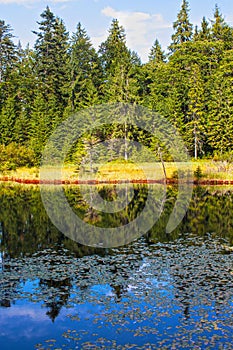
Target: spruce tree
<point>204,33</point>
<point>182,27</point>
<point>218,25</point>
<point>8,52</point>
<point>220,30</point>
<point>8,118</point>
<point>195,126</point>
<point>220,109</point>
<point>26,87</point>
<point>40,124</point>
<point>157,55</point>
<point>114,50</point>
<point>85,71</point>
<point>120,80</point>
<point>120,66</point>
<point>51,58</point>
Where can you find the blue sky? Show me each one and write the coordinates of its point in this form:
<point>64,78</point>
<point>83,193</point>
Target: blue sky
<point>143,20</point>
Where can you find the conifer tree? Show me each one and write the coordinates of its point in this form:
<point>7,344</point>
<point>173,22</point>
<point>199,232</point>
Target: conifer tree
<point>218,25</point>
<point>85,71</point>
<point>220,30</point>
<point>8,53</point>
<point>114,50</point>
<point>182,27</point>
<point>26,86</point>
<point>157,55</point>
<point>195,126</point>
<point>220,110</point>
<point>120,66</point>
<point>51,57</point>
<point>40,124</point>
<point>195,34</point>
<point>120,82</point>
<point>204,33</point>
<point>8,117</point>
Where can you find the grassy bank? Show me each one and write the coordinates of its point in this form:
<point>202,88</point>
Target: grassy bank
<point>204,170</point>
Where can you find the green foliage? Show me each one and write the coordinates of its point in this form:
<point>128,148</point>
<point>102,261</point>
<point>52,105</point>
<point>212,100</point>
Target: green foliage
<point>223,157</point>
<point>191,87</point>
<point>196,123</point>
<point>204,33</point>
<point>182,26</point>
<point>85,72</point>
<point>220,30</point>
<point>14,156</point>
<point>157,54</point>
<point>198,173</point>
<point>221,107</point>
<point>8,53</point>
<point>51,58</point>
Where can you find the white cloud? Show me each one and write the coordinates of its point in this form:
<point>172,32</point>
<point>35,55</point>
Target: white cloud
<point>37,315</point>
<point>142,29</point>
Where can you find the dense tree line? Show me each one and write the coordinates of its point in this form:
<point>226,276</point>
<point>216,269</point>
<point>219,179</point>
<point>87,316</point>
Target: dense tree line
<point>191,84</point>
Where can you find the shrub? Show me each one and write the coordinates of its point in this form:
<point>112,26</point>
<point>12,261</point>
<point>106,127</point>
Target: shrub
<point>14,156</point>
<point>198,173</point>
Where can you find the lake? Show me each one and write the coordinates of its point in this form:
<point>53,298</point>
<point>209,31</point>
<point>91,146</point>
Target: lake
<point>161,291</point>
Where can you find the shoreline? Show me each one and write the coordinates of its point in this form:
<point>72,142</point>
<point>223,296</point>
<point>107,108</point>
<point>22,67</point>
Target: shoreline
<point>212,182</point>
<point>205,172</point>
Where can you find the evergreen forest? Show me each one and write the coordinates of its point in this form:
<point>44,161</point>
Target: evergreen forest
<point>190,84</point>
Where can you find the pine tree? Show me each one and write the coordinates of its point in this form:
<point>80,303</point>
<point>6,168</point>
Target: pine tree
<point>7,120</point>
<point>157,55</point>
<point>26,86</point>
<point>195,126</point>
<point>120,65</point>
<point>51,57</point>
<point>114,50</point>
<point>220,30</point>
<point>8,53</point>
<point>120,80</point>
<point>221,107</point>
<point>85,71</point>
<point>218,25</point>
<point>182,26</point>
<point>204,33</point>
<point>40,124</point>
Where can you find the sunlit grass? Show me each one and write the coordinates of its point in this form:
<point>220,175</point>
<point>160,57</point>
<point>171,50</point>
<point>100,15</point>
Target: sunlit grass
<point>132,171</point>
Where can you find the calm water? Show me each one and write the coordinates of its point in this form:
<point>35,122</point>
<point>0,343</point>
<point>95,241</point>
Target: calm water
<point>163,291</point>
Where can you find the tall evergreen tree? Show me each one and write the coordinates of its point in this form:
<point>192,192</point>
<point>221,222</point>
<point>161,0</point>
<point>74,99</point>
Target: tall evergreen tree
<point>26,84</point>
<point>114,50</point>
<point>7,50</point>
<point>51,56</point>
<point>204,33</point>
<point>195,126</point>
<point>221,107</point>
<point>218,25</point>
<point>182,27</point>
<point>8,118</point>
<point>85,70</point>
<point>40,124</point>
<point>220,30</point>
<point>119,64</point>
<point>157,54</point>
<point>120,83</point>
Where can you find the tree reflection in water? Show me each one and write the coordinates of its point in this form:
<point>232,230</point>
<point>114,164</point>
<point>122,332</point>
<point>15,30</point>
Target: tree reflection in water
<point>188,272</point>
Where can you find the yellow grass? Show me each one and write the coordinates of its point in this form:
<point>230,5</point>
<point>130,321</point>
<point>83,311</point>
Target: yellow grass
<point>132,171</point>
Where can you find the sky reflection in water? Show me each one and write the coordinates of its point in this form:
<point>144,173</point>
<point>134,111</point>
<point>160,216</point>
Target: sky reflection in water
<point>158,292</point>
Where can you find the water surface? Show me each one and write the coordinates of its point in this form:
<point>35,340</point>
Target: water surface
<point>162,291</point>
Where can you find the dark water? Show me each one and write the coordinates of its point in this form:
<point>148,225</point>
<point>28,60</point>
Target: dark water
<point>162,291</point>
